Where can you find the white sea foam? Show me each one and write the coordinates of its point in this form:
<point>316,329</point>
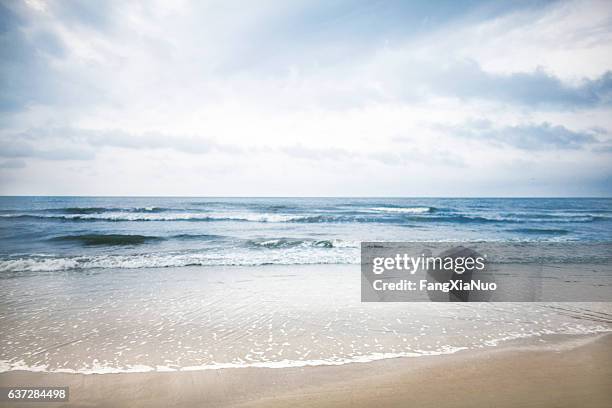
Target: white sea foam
<point>168,216</point>
<point>38,264</point>
<point>98,368</point>
<point>344,254</point>
<point>406,210</point>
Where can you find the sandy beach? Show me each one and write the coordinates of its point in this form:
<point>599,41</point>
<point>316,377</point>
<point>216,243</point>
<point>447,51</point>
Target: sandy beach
<point>572,371</point>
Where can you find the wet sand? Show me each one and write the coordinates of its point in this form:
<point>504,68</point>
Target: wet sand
<point>574,372</point>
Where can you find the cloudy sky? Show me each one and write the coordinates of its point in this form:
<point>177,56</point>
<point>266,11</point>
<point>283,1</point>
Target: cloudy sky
<point>306,98</point>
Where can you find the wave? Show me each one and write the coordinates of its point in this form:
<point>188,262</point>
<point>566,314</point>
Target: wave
<point>276,243</point>
<point>77,210</point>
<point>404,210</point>
<point>562,216</point>
<point>98,368</point>
<point>281,256</point>
<point>107,239</point>
<point>501,339</point>
<point>129,216</point>
<point>540,231</point>
<point>197,237</point>
<point>398,215</point>
<point>291,243</point>
<point>101,210</point>
<point>129,239</point>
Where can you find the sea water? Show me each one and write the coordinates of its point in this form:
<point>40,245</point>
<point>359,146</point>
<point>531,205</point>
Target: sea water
<point>138,284</point>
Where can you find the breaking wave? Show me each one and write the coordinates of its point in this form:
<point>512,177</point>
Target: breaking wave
<point>316,255</point>
<point>107,239</point>
<point>404,210</point>
<point>291,243</point>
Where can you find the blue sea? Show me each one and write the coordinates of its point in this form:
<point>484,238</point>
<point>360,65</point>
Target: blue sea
<point>60,233</point>
<point>119,285</point>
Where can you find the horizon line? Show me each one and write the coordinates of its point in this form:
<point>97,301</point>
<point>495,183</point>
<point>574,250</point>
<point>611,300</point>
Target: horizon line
<point>297,197</point>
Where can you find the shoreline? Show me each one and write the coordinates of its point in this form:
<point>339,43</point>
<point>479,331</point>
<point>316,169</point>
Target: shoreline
<point>570,370</point>
<point>527,342</point>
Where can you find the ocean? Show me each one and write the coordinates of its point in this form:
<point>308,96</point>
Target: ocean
<point>110,284</point>
<point>60,233</point>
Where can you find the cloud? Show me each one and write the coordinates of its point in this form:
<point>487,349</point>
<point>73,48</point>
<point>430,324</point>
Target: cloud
<point>96,16</point>
<point>191,87</point>
<point>70,143</point>
<point>33,69</point>
<point>538,137</point>
<point>24,149</point>
<point>12,164</point>
<point>303,152</point>
<point>80,55</point>
<point>606,148</point>
<point>467,80</point>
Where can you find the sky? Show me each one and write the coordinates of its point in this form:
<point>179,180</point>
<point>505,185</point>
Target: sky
<point>306,98</point>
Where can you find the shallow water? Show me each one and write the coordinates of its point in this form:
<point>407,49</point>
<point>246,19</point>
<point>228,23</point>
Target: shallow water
<point>272,316</point>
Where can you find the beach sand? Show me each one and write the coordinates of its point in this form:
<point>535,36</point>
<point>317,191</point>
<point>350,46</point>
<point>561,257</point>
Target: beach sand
<point>574,372</point>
